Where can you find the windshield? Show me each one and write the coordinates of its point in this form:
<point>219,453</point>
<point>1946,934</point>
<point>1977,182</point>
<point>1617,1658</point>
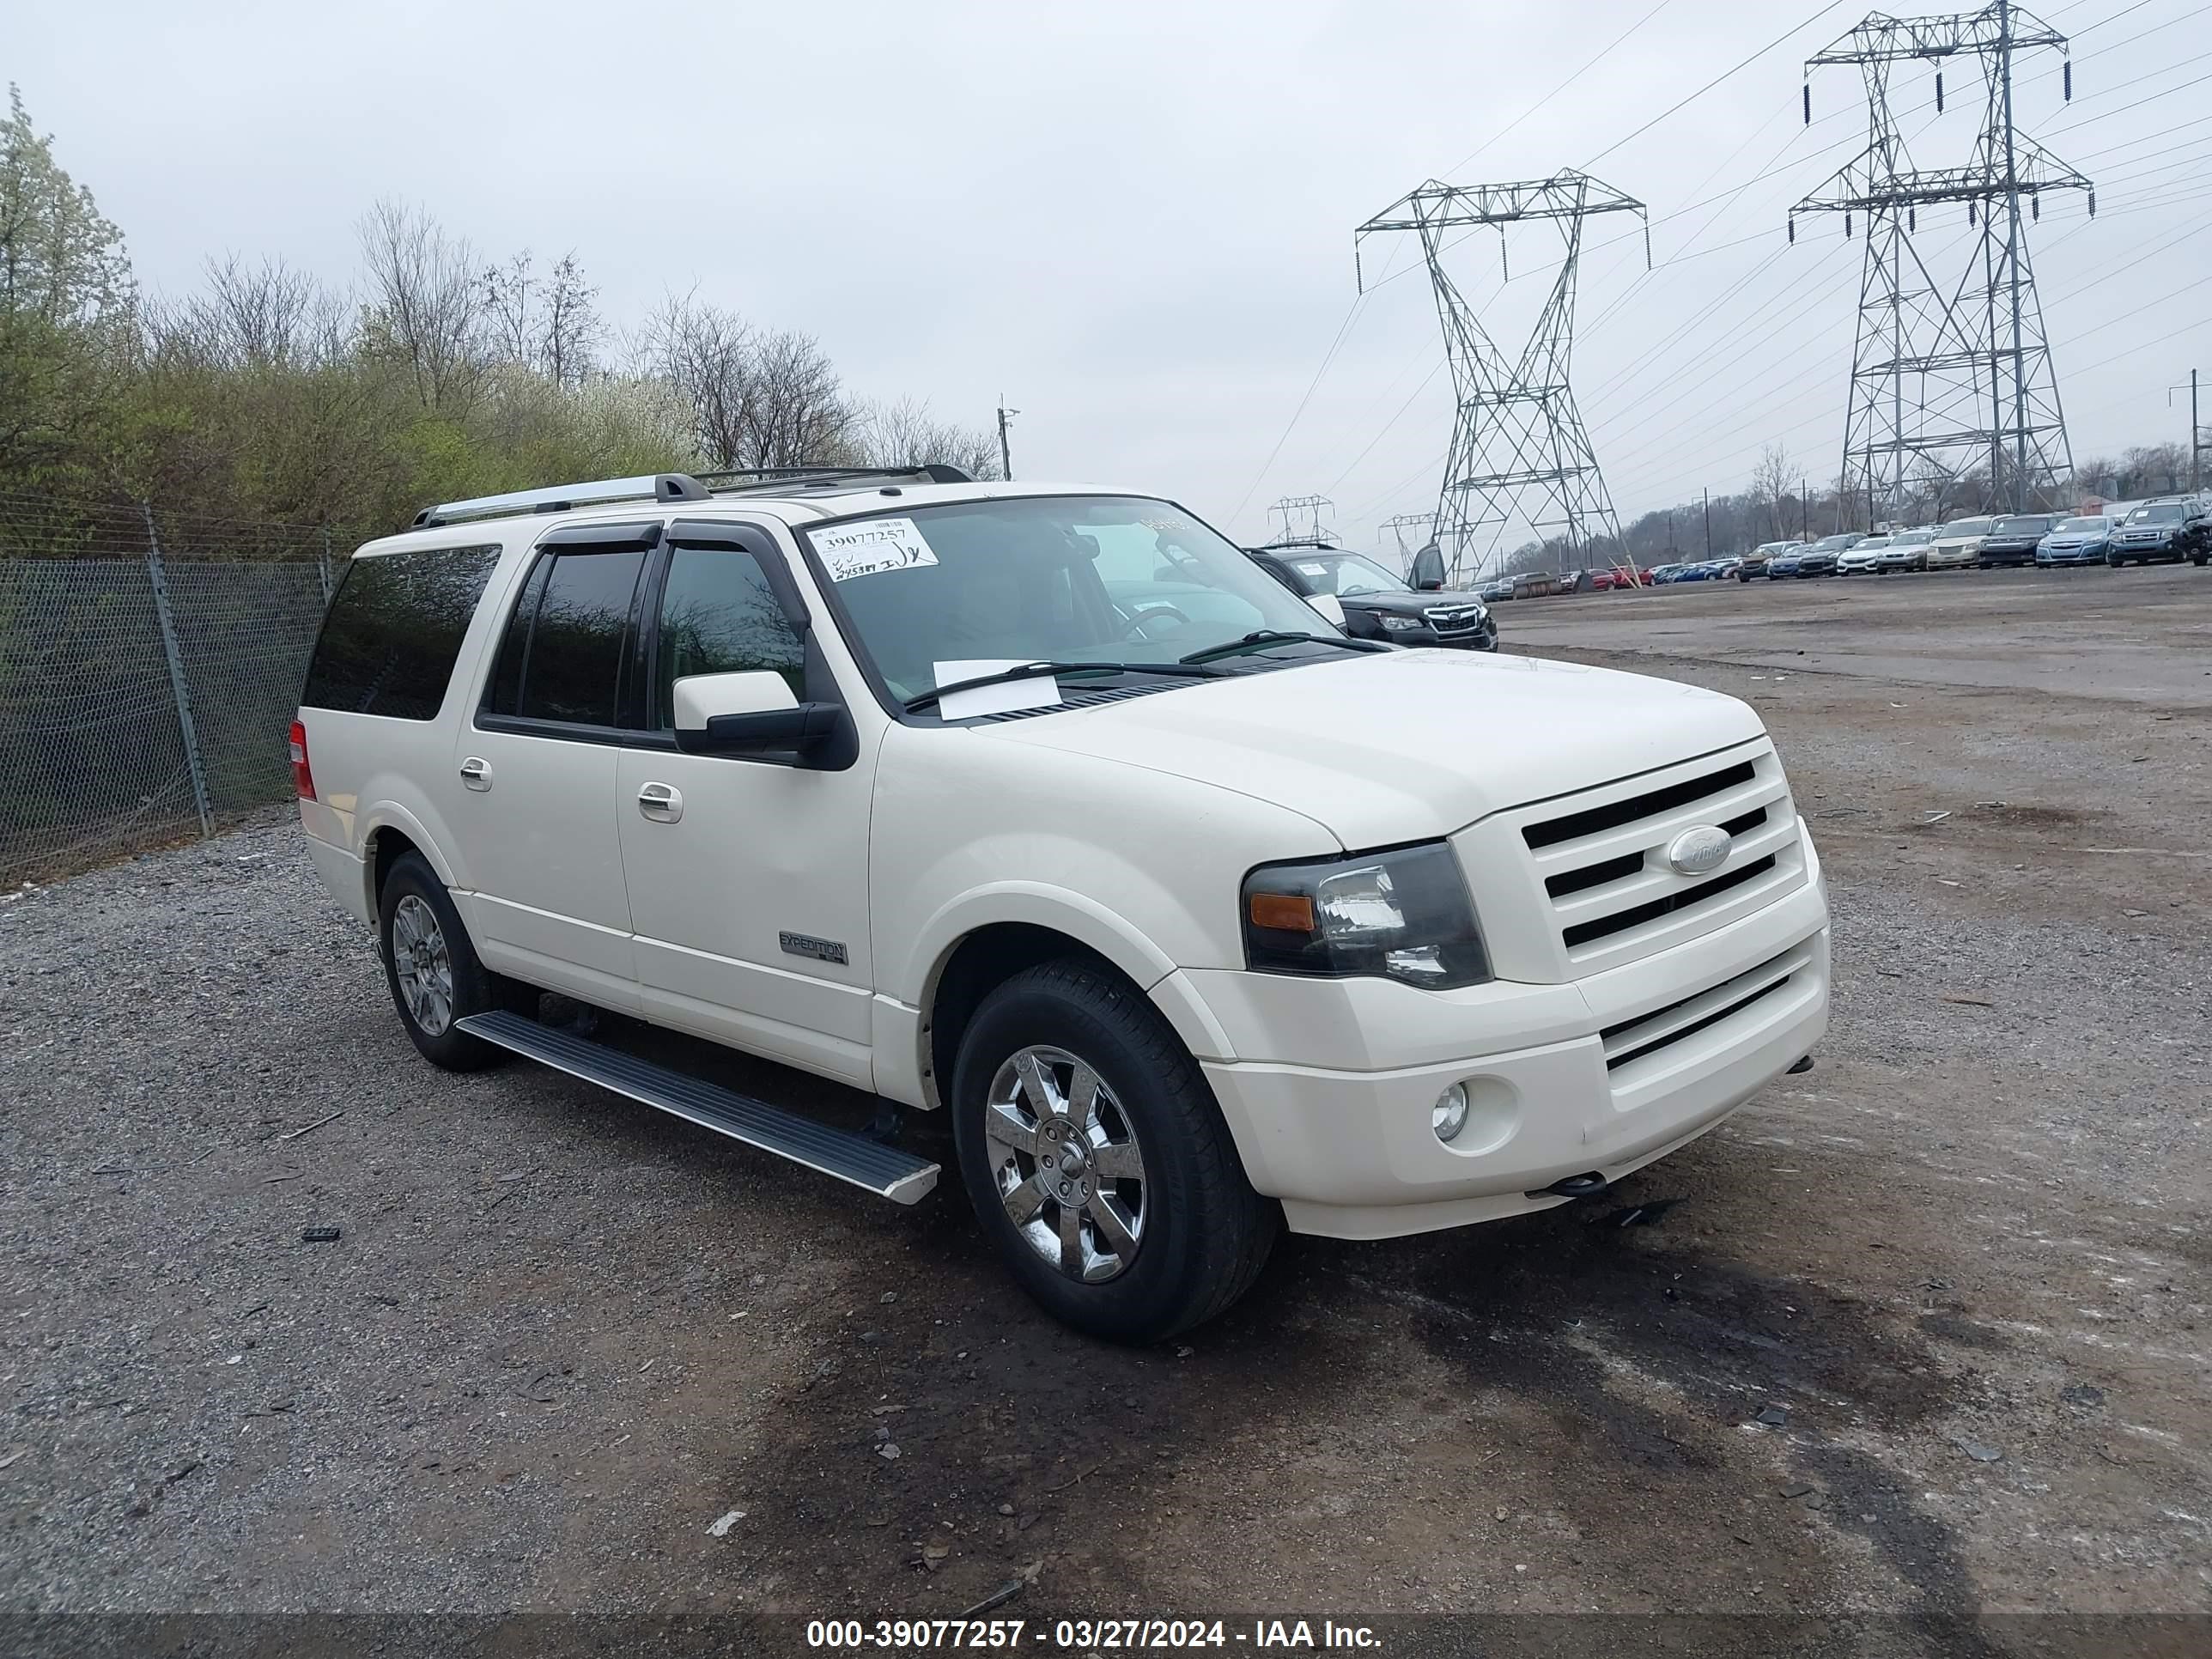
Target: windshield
<point>2081,527</point>
<point>1913,538</point>
<point>1832,545</point>
<point>1872,545</point>
<point>1344,573</point>
<point>2165,512</point>
<point>2032,526</point>
<point>1967,528</point>
<point>1067,579</point>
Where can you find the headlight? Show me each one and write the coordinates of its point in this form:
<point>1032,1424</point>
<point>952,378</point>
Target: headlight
<point>1400,624</point>
<point>1402,914</point>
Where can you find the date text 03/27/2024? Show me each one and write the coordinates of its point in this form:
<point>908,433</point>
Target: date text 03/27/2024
<point>1088,1634</point>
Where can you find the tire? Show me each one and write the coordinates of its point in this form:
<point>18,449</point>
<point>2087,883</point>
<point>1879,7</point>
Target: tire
<point>1201,1234</point>
<point>442,968</point>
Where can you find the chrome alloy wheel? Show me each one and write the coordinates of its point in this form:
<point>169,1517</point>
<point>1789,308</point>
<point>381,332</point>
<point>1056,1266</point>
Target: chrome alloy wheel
<point>1067,1162</point>
<point>422,965</point>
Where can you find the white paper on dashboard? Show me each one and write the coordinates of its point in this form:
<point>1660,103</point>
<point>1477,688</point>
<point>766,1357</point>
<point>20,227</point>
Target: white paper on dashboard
<point>1042,692</point>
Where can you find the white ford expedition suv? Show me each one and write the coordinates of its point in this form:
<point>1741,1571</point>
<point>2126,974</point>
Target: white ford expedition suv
<point>1045,807</point>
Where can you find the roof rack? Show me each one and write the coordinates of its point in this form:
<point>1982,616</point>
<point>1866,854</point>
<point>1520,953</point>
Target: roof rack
<point>675,487</point>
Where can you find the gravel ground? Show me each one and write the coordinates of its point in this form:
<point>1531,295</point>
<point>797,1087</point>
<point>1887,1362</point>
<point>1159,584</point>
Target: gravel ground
<point>1926,1335</point>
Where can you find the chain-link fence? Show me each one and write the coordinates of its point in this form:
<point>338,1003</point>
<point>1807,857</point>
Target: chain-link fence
<point>149,670</point>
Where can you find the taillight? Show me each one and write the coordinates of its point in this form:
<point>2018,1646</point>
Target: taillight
<point>303,776</point>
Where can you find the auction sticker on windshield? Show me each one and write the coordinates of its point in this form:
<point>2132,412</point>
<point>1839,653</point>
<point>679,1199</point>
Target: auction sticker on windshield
<point>876,545</point>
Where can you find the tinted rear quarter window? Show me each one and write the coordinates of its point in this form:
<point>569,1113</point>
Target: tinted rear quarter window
<point>567,641</point>
<point>394,630</point>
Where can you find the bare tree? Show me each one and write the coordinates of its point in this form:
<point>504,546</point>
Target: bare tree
<point>426,304</point>
<point>268,315</point>
<point>795,412</point>
<point>905,433</point>
<point>570,337</point>
<point>756,400</point>
<point>508,311</point>
<point>702,352</point>
<point>1775,484</point>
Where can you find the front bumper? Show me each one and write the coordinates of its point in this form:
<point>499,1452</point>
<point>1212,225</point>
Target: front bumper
<point>1605,1075</point>
<point>2070,555</point>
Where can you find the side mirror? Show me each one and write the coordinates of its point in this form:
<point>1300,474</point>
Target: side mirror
<point>1428,574</point>
<point>748,713</point>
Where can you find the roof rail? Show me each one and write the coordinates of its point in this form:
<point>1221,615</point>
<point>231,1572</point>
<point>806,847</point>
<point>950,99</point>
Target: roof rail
<point>671,487</point>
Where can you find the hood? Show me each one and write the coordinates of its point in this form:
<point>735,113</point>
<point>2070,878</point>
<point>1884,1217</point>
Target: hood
<point>1405,745</point>
<point>1409,604</point>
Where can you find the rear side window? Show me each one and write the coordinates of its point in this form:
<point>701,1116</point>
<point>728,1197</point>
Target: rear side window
<point>568,638</point>
<point>394,629</point>
<point>719,616</point>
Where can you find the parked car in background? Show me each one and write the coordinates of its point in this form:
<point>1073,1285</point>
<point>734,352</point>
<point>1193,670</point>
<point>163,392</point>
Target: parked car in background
<point>1816,561</point>
<point>1755,563</point>
<point>1725,569</point>
<point>1858,559</point>
<point>1780,566</point>
<point>1662,575</point>
<point>1500,587</point>
<point>2012,540</point>
<point>1957,545</point>
<point>2079,540</point>
<point>1907,550</point>
<point>1378,605</point>
<point>2162,532</point>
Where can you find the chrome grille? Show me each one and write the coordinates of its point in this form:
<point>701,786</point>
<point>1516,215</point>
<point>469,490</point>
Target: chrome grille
<point>1445,619</point>
<point>1609,893</point>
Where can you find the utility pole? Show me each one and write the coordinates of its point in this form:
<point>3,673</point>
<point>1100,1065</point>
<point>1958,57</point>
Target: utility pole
<point>1709,523</point>
<point>1519,452</point>
<point>1006,456</point>
<point>1973,350</point>
<point>2197,445</point>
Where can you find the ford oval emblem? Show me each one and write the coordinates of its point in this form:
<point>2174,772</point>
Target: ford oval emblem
<point>1701,850</point>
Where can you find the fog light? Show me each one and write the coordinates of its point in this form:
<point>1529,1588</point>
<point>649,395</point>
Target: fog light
<point>1449,1115</point>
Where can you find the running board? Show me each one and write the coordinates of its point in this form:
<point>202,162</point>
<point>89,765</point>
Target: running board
<point>883,1170</point>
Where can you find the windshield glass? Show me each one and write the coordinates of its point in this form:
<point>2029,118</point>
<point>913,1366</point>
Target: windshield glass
<point>2165,512</point>
<point>2031,527</point>
<point>1913,538</point>
<point>1067,579</point>
<point>1344,573</point>
<point>1832,545</point>
<point>2081,527</point>
<point>1872,545</point>
<point>1966,528</point>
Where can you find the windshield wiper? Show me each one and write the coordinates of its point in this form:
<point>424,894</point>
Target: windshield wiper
<point>1030,670</point>
<point>1267,636</point>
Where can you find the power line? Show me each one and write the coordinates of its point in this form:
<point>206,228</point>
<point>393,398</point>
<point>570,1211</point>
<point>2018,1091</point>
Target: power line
<point>1735,69</point>
<point>1607,52</point>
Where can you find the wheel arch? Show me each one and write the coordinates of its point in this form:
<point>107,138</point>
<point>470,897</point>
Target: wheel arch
<point>973,962</point>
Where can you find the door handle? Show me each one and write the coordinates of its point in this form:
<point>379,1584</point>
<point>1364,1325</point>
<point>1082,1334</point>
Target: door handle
<point>475,772</point>
<point>661,802</point>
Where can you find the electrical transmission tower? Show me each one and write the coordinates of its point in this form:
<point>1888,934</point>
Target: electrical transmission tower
<point>1302,521</point>
<point>1953,391</point>
<point>1517,435</point>
<point>1423,523</point>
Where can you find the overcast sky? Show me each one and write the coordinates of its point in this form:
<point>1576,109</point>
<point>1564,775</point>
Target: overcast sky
<point>1135,221</point>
